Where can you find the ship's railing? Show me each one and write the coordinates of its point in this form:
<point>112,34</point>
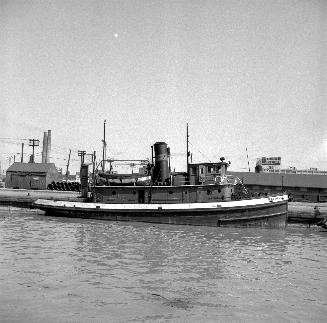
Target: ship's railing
<point>240,191</point>
<point>219,179</point>
<point>227,179</point>
<point>297,171</point>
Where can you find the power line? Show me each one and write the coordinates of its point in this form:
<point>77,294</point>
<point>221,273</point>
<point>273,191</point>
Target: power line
<point>14,139</point>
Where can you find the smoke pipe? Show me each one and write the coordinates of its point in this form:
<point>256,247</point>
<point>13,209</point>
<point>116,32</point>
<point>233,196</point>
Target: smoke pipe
<point>48,147</point>
<point>22,157</point>
<point>44,148</point>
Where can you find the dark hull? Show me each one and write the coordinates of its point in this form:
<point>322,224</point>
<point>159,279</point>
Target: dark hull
<point>272,215</point>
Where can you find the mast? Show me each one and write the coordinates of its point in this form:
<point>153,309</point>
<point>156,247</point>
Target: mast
<point>104,146</point>
<point>187,150</point>
<point>247,157</point>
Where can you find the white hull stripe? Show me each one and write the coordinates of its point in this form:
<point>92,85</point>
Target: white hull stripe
<point>159,206</point>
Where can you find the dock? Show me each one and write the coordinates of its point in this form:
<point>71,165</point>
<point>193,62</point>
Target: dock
<point>24,198</point>
<point>306,212</point>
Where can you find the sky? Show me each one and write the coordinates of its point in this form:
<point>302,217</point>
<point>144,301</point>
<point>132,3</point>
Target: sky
<point>245,75</point>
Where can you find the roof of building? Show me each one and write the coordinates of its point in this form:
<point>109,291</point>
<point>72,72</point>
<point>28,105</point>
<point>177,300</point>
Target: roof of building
<point>31,167</point>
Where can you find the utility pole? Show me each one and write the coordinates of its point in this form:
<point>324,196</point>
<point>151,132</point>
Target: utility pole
<point>33,143</point>
<point>22,157</point>
<point>104,146</point>
<point>82,153</point>
<point>93,160</point>
<point>70,151</point>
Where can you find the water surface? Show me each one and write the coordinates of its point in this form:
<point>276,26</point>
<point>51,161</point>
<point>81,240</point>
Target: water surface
<point>74,270</point>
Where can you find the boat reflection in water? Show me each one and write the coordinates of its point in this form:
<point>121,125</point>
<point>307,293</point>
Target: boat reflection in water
<point>157,195</point>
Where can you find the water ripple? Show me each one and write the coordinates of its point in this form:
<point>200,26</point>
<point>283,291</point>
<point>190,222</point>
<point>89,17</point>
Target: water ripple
<point>107,271</point>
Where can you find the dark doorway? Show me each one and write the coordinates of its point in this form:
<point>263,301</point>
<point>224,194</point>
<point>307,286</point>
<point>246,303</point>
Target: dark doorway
<point>141,196</point>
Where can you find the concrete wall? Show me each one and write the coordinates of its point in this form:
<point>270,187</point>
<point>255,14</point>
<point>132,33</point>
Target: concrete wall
<point>308,188</point>
<point>289,180</point>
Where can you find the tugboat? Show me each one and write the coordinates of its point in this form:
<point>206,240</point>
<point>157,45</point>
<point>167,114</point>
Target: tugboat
<point>172,198</point>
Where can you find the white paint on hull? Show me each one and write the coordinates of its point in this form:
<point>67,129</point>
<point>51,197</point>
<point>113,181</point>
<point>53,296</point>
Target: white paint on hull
<point>161,206</point>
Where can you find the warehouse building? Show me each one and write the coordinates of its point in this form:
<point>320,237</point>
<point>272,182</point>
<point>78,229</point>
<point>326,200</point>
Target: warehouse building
<point>35,176</point>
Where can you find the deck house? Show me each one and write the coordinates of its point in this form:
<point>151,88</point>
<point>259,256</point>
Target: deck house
<point>206,173</point>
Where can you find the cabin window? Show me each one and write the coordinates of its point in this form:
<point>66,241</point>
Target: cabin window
<point>113,193</point>
<point>223,197</point>
<point>219,190</point>
<point>210,169</point>
<point>134,192</point>
<point>208,192</point>
<point>201,171</point>
<point>170,192</point>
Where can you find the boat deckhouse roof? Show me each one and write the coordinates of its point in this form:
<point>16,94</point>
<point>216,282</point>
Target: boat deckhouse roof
<point>205,164</point>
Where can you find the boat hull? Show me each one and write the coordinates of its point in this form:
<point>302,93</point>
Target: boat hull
<point>262,212</point>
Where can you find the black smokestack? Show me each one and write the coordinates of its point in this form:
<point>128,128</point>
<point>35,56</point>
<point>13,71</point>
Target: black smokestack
<point>161,169</point>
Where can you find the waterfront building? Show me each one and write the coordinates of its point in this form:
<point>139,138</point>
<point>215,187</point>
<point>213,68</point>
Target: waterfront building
<point>35,176</point>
